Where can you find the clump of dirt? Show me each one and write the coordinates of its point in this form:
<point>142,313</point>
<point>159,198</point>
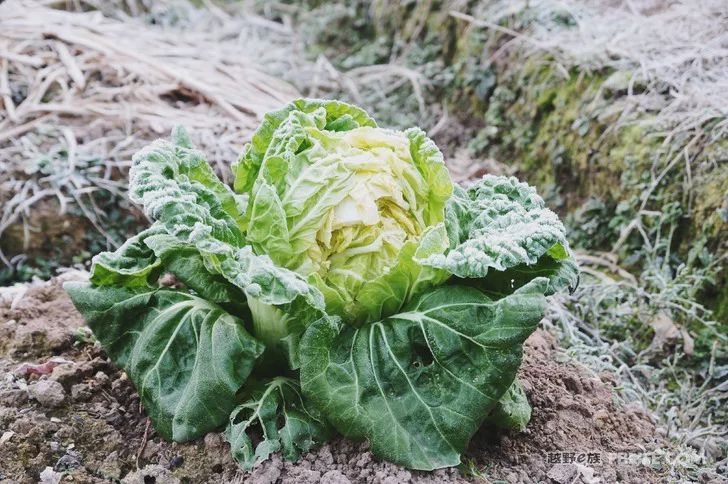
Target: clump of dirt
<point>67,412</point>
<point>37,319</point>
<point>578,428</point>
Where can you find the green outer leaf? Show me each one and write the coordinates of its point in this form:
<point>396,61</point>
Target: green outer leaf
<point>512,411</point>
<point>260,278</point>
<point>178,188</point>
<point>340,116</point>
<point>417,385</point>
<point>430,163</point>
<point>186,356</point>
<point>186,262</point>
<point>267,226</point>
<point>175,185</point>
<point>561,274</point>
<point>131,265</point>
<point>457,216</point>
<point>237,276</point>
<point>501,224</point>
<point>265,405</point>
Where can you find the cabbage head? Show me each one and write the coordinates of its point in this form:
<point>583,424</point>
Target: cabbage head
<point>346,204</point>
<point>343,285</point>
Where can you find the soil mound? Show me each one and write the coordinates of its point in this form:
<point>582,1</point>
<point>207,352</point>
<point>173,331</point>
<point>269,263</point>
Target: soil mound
<point>65,409</point>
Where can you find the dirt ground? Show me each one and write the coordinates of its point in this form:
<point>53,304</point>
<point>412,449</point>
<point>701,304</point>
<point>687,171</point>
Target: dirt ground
<point>68,415</point>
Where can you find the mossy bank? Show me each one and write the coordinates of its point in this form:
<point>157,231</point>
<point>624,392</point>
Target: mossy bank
<point>585,135</point>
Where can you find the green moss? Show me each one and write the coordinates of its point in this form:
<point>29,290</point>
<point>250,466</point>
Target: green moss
<point>721,304</point>
<point>555,129</point>
<point>710,201</point>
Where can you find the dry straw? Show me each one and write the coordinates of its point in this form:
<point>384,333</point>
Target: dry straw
<point>81,91</point>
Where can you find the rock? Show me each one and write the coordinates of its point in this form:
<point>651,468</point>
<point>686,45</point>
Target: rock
<point>304,476</point>
<point>120,385</point>
<point>334,477</point>
<point>81,392</point>
<point>214,441</point>
<point>6,436</point>
<point>568,473</point>
<point>364,459</point>
<point>13,397</point>
<point>267,473</point>
<point>512,478</point>
<point>70,374</point>
<point>110,467</point>
<point>324,456</point>
<point>151,449</point>
<point>102,378</point>
<point>563,473</point>
<point>48,393</point>
<point>71,460</point>
<point>49,476</point>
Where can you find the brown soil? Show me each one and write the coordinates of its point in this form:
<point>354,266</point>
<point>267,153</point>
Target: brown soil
<point>76,417</point>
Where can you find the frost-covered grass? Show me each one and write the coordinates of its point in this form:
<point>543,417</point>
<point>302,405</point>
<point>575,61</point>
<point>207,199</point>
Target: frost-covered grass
<point>665,348</point>
<point>670,61</point>
<point>671,56</point>
<point>670,352</point>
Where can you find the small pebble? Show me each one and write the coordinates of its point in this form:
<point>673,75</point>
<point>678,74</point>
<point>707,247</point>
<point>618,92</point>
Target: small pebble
<point>176,461</point>
<point>48,393</point>
<point>70,460</point>
<point>6,436</point>
<point>102,378</point>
